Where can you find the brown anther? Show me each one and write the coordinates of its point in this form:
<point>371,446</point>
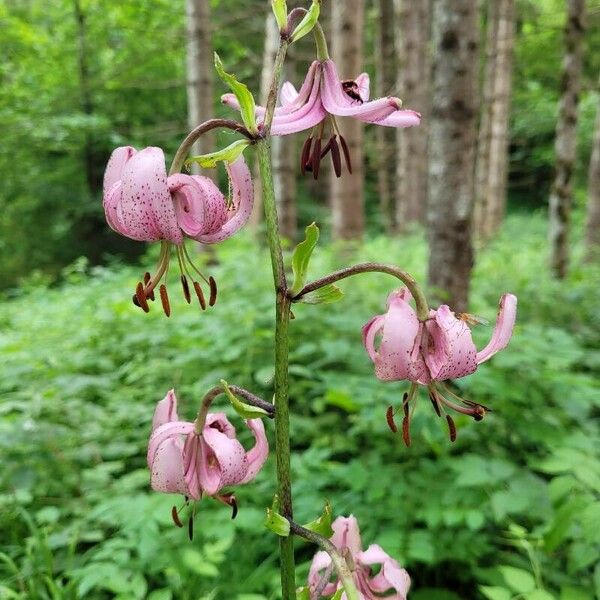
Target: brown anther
<point>140,296</point>
<point>135,301</point>
<point>451,428</point>
<point>436,406</point>
<point>147,278</point>
<point>389,416</point>
<point>336,159</point>
<point>406,431</point>
<point>325,150</point>
<point>164,298</point>
<point>191,529</point>
<point>186,289</point>
<point>305,155</point>
<point>234,507</point>
<point>200,295</point>
<point>176,518</point>
<point>316,159</point>
<point>213,291</point>
<point>346,152</point>
<point>479,412</point>
<point>405,406</point>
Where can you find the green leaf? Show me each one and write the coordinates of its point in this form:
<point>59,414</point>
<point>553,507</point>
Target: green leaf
<point>301,257</point>
<point>495,592</point>
<point>518,579</point>
<point>242,93</point>
<point>308,23</point>
<point>280,11</point>
<point>275,522</point>
<point>229,154</point>
<point>246,411</point>
<point>325,295</point>
<point>322,525</point>
<point>303,593</point>
<point>539,595</point>
<point>338,594</point>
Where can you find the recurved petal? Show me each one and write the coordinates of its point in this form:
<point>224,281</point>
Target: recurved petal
<point>363,81</point>
<point>189,204</point>
<point>166,470</point>
<point>192,456</point>
<point>320,562</point>
<point>451,352</point>
<point>165,411</point>
<point>288,93</point>
<point>110,201</point>
<point>401,119</point>
<point>258,454</point>
<point>242,192</point>
<point>116,163</point>
<point>346,534</point>
<point>222,461</point>
<point>505,323</point>
<point>391,576</point>
<point>164,432</point>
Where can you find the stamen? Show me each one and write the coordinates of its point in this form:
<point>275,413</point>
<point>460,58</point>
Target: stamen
<point>305,154</point>
<point>213,291</point>
<point>389,415</point>
<point>191,528</point>
<point>147,280</point>
<point>164,298</point>
<point>141,297</point>
<point>190,262</point>
<point>346,152</point>
<point>316,159</point>
<point>234,507</point>
<point>434,401</point>
<point>186,289</point>
<point>175,516</point>
<point>406,431</point>
<point>451,428</point>
<point>335,157</point>
<point>200,295</point>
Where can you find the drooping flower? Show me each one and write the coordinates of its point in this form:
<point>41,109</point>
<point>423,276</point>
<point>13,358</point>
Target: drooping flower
<point>391,582</point>
<point>431,352</point>
<point>142,203</point>
<point>322,97</point>
<point>183,460</point>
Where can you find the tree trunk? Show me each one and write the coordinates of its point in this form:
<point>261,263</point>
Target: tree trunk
<point>592,233</point>
<point>386,136</point>
<point>565,145</point>
<point>452,149</point>
<point>492,148</point>
<point>199,72</point>
<point>414,83</point>
<point>347,193</point>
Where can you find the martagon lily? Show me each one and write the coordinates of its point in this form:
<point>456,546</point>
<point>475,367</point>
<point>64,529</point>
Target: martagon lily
<point>142,203</point>
<point>391,582</point>
<point>201,459</point>
<point>432,352</point>
<point>322,97</point>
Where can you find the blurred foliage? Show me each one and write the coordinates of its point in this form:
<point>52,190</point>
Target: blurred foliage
<point>511,510</point>
<point>59,125</point>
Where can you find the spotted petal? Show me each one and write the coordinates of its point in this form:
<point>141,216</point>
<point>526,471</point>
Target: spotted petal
<point>257,455</point>
<point>346,534</point>
<point>166,410</point>
<point>505,323</point>
<point>167,473</point>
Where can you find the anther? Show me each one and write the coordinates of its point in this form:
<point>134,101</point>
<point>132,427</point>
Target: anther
<point>164,298</point>
<point>213,291</point>
<point>451,428</point>
<point>316,159</point>
<point>436,406</point>
<point>479,412</point>
<point>305,155</point>
<point>186,289</point>
<point>405,407</point>
<point>176,518</point>
<point>234,507</point>
<point>191,529</point>
<point>389,416</point>
<point>335,157</point>
<point>141,297</point>
<point>406,431</point>
<point>200,295</point>
<point>147,280</point>
<point>346,152</point>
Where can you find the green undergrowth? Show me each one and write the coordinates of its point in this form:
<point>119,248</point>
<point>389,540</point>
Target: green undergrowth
<point>511,510</point>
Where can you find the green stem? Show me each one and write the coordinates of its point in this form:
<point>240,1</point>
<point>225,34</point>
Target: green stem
<point>320,42</point>
<point>282,319</point>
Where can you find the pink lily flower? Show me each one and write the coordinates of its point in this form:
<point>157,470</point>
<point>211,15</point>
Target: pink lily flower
<point>391,578</point>
<point>195,463</point>
<point>142,203</point>
<point>322,97</point>
<point>432,352</point>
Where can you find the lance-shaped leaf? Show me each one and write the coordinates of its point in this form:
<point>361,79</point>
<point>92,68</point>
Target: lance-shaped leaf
<point>246,411</point>
<point>303,593</point>
<point>280,11</point>
<point>322,525</point>
<point>229,154</point>
<point>301,257</point>
<point>325,295</point>
<point>308,22</point>
<point>275,522</point>
<point>242,93</point>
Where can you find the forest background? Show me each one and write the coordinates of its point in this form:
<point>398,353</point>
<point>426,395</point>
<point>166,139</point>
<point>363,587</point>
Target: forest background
<point>511,510</point>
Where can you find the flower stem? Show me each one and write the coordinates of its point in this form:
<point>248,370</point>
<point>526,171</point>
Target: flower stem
<point>282,319</point>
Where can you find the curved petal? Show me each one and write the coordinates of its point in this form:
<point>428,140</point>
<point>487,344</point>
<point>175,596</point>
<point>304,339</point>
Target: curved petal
<point>288,93</point>
<point>346,534</point>
<point>110,201</point>
<point>373,555</point>
<point>452,352</point>
<point>166,470</point>
<point>505,323</point>
<point>116,163</point>
<point>369,331</point>
<point>391,576</point>
<point>174,429</point>
<point>222,461</point>
<point>320,562</point>
<point>258,454</point>
<point>316,114</point>
<point>146,209</point>
<point>401,119</point>
<point>363,81</point>
<point>243,200</point>
<point>397,358</point>
<point>220,422</point>
<point>166,410</point>
<point>192,458</point>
